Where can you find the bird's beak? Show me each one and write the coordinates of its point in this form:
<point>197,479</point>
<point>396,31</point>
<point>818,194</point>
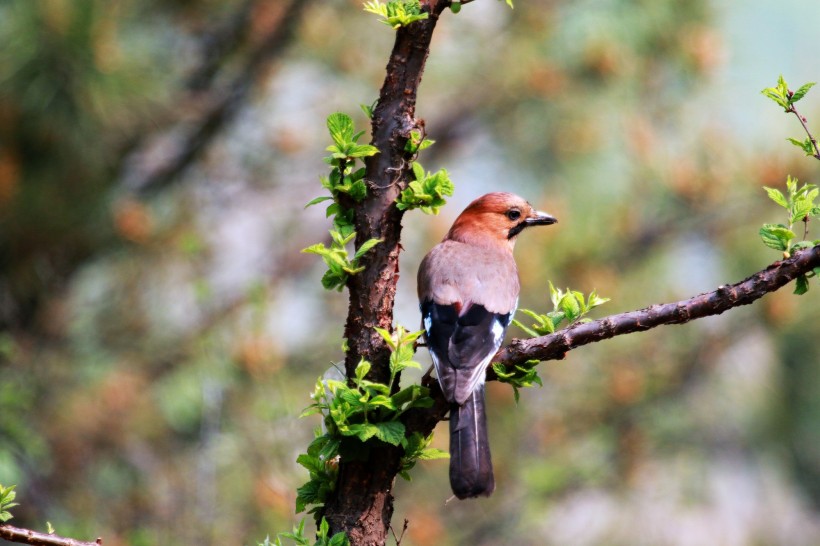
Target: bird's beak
<point>540,219</point>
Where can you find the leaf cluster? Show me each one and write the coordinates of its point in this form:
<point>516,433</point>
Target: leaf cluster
<point>783,96</point>
<point>339,264</point>
<point>427,191</point>
<point>786,99</point>
<point>7,496</point>
<point>297,535</point>
<point>397,13</point>
<point>570,306</point>
<point>361,412</point>
<point>521,376</point>
<point>800,207</point>
<point>345,181</point>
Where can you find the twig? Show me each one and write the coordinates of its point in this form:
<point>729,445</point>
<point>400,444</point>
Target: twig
<point>399,538</point>
<point>27,536</point>
<point>806,128</point>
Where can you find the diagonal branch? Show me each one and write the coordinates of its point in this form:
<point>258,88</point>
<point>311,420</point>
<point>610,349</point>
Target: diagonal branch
<point>555,346</point>
<point>27,536</point>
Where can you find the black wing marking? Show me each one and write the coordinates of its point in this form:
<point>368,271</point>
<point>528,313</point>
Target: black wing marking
<point>462,346</point>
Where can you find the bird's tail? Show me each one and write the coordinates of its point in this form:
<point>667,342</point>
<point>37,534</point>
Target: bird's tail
<point>471,470</point>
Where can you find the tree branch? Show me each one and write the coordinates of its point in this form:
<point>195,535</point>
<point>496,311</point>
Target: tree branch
<point>27,536</point>
<point>555,346</point>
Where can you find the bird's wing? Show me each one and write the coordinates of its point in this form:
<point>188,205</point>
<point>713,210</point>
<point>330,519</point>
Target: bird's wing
<point>462,345</point>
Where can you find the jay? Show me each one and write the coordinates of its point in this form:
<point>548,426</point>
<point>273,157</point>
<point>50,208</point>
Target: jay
<point>468,292</point>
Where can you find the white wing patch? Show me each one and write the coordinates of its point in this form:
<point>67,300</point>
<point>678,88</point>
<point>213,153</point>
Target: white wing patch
<point>479,374</point>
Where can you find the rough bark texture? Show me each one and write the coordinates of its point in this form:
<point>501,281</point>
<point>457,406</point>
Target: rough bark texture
<point>362,504</point>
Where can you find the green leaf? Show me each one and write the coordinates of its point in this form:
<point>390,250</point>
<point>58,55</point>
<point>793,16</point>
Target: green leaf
<point>526,330</point>
<point>805,145</point>
<point>777,196</point>
<point>801,209</point>
<point>455,7</point>
<point>391,432</point>
<point>800,245</point>
<point>368,110</point>
<point>318,200</point>
<point>367,245</point>
<point>7,496</point>
<point>569,305</point>
<point>363,431</point>
<point>432,453</point>
<point>362,150</point>
<point>410,394</point>
<point>801,285</point>
<point>776,236</point>
<point>595,300</point>
<point>339,539</point>
<point>800,93</point>
<point>340,126</point>
<point>362,369</point>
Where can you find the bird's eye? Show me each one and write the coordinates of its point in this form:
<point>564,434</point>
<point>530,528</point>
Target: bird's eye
<point>514,214</point>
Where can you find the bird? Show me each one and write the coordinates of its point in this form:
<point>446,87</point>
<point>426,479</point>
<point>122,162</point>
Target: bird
<point>468,290</point>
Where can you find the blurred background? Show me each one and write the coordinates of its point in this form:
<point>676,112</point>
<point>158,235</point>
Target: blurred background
<point>160,331</point>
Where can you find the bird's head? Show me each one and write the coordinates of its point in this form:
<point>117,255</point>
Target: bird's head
<point>496,219</point>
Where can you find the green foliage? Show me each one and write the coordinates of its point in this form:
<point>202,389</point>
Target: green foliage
<point>340,266</point>
<point>417,142</point>
<point>417,448</point>
<point>523,375</point>
<point>344,181</point>
<point>297,535</point>
<point>397,13</point>
<point>806,145</point>
<point>786,99</point>
<point>345,140</point>
<point>570,306</point>
<point>362,412</point>
<point>800,207</point>
<point>427,191</point>
<point>783,96</point>
<point>7,496</point>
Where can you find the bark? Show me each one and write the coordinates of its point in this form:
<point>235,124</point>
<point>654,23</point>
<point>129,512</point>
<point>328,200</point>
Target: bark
<point>27,536</point>
<point>362,503</point>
